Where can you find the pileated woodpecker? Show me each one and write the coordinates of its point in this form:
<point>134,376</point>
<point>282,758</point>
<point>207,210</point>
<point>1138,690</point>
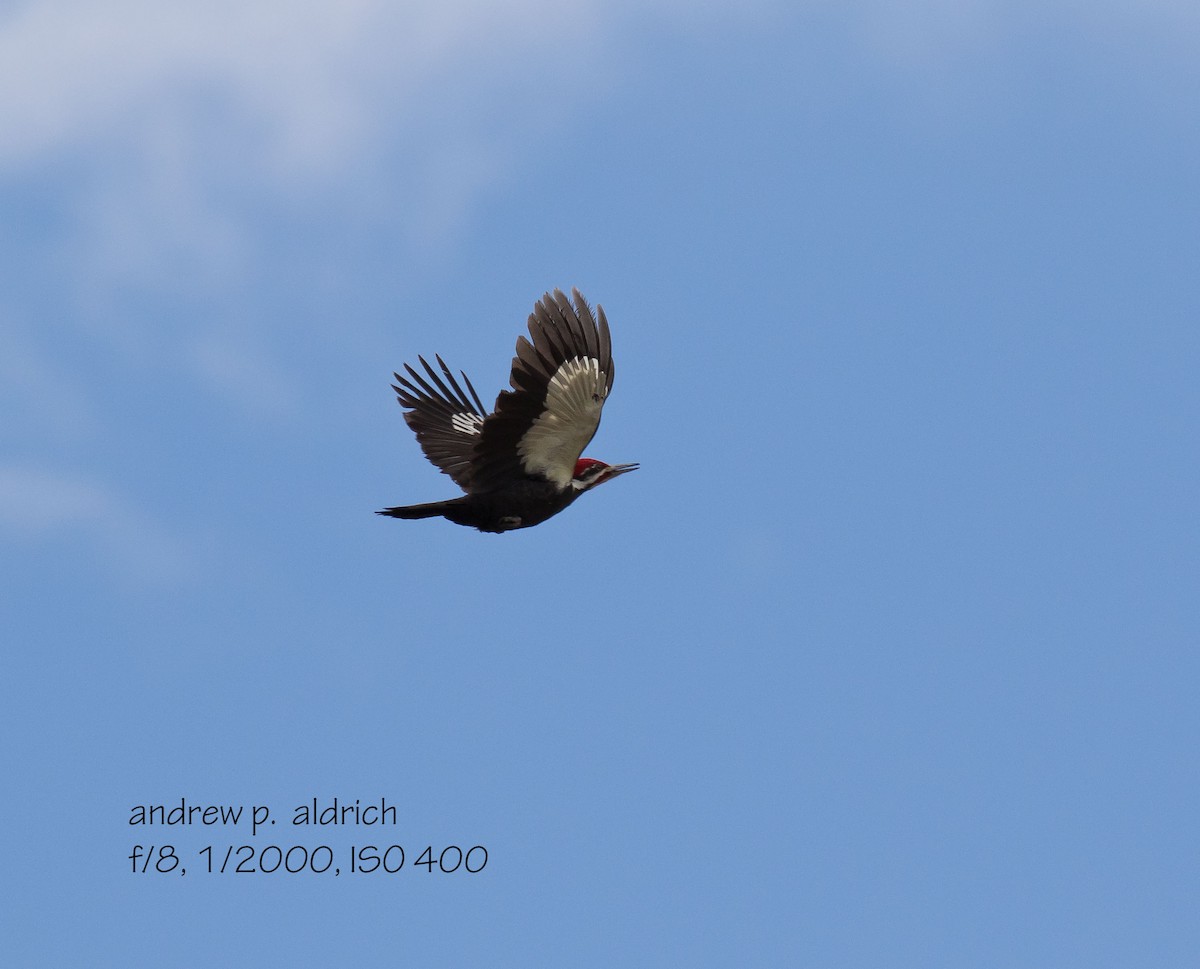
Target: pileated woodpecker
<point>520,464</point>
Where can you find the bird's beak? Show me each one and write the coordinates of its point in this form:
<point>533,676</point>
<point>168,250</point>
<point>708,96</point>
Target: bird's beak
<point>616,469</point>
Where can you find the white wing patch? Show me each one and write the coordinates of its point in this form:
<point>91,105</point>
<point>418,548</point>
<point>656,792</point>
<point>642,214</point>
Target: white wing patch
<point>574,398</point>
<point>466,423</point>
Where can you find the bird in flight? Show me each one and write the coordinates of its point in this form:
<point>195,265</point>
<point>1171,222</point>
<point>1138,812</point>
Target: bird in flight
<point>520,464</point>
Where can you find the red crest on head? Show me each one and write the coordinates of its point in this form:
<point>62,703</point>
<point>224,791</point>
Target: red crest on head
<point>583,464</point>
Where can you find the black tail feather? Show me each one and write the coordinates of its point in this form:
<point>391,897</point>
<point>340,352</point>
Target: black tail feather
<point>431,510</point>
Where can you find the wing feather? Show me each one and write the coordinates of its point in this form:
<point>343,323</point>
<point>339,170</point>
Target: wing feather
<point>446,422</point>
<point>560,379</point>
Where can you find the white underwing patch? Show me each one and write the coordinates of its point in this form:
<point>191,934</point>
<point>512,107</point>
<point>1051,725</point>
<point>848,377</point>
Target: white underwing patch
<point>574,398</point>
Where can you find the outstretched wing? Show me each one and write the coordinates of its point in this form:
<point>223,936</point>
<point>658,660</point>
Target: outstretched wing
<point>446,422</point>
<point>560,382</point>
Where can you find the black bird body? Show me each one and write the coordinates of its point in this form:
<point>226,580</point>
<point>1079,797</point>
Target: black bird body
<point>522,505</point>
<point>521,463</point>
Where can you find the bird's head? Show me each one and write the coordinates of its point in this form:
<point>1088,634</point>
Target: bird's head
<point>589,472</point>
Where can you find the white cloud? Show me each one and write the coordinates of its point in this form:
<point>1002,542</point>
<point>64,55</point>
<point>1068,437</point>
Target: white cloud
<point>38,505</point>
<point>307,86</point>
<point>188,131</point>
<point>34,501</point>
<point>184,141</point>
<point>189,134</point>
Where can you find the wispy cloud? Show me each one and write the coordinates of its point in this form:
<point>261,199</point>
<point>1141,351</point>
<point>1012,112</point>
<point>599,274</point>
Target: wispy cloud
<point>190,137</point>
<point>172,146</point>
<point>180,115</point>
<point>297,92</point>
<point>37,504</point>
<point>307,88</point>
<point>34,501</point>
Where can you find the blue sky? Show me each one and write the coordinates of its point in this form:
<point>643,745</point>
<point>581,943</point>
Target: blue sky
<point>885,657</point>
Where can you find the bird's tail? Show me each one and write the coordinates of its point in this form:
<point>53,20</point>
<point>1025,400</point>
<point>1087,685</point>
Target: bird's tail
<point>431,510</point>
